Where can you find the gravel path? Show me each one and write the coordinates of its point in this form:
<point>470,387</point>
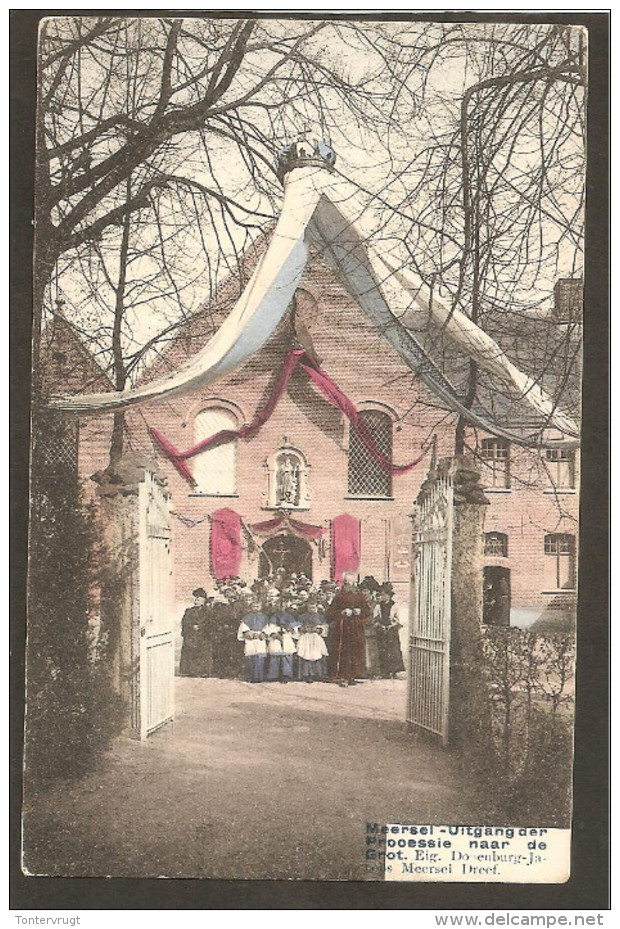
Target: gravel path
<point>250,781</point>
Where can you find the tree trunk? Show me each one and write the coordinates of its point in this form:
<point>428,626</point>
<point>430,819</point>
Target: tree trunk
<point>120,371</point>
<point>461,425</point>
<point>117,441</point>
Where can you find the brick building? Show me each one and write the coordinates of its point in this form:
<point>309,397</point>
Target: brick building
<point>68,366</point>
<point>531,523</point>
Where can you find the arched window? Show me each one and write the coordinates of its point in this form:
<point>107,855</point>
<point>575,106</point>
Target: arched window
<point>366,476</point>
<point>494,455</point>
<point>215,470</point>
<point>559,561</point>
<point>496,544</point>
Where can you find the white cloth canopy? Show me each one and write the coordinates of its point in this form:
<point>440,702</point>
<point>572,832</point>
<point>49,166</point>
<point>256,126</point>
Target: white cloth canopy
<point>321,207</point>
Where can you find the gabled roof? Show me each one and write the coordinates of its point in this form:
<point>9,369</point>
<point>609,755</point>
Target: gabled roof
<point>542,347</point>
<point>68,365</point>
<point>538,346</point>
<point>321,209</point>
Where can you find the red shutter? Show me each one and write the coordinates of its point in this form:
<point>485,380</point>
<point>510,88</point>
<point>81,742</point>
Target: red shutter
<point>225,543</point>
<point>346,546</point>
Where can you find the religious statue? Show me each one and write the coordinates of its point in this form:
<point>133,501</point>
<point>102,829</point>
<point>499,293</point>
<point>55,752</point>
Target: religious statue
<point>287,482</point>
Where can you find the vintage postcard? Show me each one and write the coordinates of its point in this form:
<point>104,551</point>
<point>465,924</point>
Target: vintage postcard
<point>304,516</point>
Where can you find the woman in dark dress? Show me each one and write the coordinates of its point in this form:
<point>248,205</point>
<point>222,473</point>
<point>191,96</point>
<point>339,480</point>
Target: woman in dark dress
<point>388,638</point>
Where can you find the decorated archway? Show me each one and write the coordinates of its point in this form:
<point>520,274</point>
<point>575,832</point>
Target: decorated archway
<point>288,552</point>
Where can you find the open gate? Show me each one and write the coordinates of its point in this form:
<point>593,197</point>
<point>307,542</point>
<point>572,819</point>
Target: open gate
<point>430,610</point>
<point>155,703</point>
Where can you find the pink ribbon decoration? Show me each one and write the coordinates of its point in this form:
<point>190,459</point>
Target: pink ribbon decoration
<point>346,545</point>
<point>330,391</point>
<point>225,543</point>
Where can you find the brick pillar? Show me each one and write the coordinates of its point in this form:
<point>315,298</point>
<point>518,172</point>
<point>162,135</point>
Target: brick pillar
<point>118,493</point>
<point>469,715</point>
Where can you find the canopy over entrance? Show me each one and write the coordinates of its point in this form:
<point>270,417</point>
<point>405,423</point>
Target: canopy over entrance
<point>292,554</point>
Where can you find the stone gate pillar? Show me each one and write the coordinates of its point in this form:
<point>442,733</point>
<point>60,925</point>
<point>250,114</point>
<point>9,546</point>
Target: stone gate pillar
<point>118,493</point>
<point>469,716</point>
<point>448,697</point>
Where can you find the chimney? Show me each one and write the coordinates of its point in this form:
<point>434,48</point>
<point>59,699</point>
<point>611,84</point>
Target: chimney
<point>568,302</point>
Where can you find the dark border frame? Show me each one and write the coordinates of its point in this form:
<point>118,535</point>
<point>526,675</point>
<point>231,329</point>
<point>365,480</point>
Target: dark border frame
<point>588,887</point>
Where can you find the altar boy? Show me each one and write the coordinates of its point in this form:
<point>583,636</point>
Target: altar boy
<point>311,648</point>
<point>281,631</point>
<point>252,633</point>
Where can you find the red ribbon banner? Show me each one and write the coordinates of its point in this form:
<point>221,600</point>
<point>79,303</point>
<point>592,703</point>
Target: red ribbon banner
<point>330,391</point>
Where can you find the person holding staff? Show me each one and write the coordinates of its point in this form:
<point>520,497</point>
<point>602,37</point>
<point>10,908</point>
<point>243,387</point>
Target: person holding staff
<point>347,616</point>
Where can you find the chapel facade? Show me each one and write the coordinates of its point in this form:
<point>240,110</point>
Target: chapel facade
<point>304,492</point>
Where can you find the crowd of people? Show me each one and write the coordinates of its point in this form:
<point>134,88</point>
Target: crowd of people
<point>283,628</point>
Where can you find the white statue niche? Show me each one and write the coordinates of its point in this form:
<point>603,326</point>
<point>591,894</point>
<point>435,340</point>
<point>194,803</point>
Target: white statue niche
<point>288,487</point>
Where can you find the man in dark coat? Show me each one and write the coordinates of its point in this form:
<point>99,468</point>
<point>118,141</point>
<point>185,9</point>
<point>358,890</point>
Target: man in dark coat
<point>347,616</point>
<point>196,655</point>
<point>227,614</point>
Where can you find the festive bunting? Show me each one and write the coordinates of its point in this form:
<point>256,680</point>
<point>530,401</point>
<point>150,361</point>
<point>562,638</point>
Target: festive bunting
<point>296,526</point>
<point>330,391</point>
<point>322,207</point>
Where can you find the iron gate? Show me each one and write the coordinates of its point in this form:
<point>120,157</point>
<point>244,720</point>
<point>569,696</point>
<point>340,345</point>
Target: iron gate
<point>430,623</point>
<point>156,664</point>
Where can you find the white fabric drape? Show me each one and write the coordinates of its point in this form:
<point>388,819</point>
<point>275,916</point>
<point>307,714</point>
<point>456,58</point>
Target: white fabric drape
<point>252,320</point>
<point>322,207</point>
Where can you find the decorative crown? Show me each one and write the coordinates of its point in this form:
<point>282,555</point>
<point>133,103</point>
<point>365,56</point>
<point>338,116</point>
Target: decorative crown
<point>305,152</point>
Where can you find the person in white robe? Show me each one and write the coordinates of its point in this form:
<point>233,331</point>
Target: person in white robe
<point>281,634</point>
<point>311,648</point>
<point>252,633</point>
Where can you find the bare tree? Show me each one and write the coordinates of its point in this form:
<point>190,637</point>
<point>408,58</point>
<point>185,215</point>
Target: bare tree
<point>192,110</point>
<point>167,129</point>
<point>491,204</point>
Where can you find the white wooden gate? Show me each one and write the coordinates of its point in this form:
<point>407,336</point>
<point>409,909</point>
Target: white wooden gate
<point>430,612</point>
<point>155,703</point>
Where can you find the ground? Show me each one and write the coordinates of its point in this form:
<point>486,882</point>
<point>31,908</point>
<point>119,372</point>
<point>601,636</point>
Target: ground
<point>251,781</point>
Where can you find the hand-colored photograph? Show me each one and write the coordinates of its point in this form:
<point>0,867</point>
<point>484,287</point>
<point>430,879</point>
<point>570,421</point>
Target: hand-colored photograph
<point>305,448</point>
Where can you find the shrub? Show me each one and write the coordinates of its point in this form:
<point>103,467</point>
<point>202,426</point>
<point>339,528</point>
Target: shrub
<point>541,792</point>
<point>71,710</point>
<point>529,678</point>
